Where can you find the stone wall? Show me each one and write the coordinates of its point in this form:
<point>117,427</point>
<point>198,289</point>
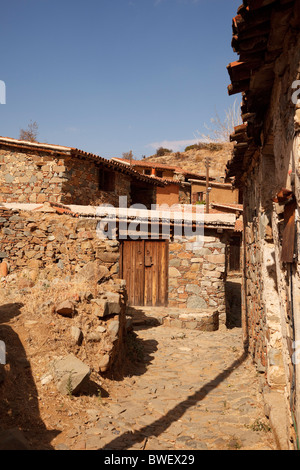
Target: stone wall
<point>38,177</point>
<point>267,309</point>
<point>55,243</point>
<point>185,193</point>
<point>271,285</point>
<point>197,273</point>
<point>80,185</point>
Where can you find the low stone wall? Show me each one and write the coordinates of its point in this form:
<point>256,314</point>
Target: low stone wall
<point>197,273</point>
<point>207,320</point>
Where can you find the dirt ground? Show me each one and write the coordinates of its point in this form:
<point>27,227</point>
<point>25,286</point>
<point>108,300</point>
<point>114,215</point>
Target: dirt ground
<point>29,400</point>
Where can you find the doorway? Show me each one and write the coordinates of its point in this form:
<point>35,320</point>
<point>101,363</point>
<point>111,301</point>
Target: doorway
<point>234,259</point>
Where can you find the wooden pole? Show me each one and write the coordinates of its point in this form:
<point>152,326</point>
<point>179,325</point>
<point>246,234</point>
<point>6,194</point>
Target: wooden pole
<point>207,184</point>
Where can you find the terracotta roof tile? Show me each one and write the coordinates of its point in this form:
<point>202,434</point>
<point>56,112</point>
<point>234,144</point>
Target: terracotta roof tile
<point>259,31</point>
<point>157,166</point>
<point>239,225</point>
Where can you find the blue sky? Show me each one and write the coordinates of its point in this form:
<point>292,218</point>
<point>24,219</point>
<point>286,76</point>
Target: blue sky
<point>109,76</point>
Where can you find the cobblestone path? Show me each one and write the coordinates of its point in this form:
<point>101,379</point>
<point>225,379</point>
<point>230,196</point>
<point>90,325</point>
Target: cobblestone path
<point>192,390</point>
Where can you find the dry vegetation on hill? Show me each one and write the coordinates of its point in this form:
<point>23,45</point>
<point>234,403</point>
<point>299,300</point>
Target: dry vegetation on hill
<point>194,159</point>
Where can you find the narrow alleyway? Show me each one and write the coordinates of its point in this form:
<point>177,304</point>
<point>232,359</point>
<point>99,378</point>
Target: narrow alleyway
<point>190,390</point>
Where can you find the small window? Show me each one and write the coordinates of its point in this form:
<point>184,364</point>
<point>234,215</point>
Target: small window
<point>106,180</point>
<point>200,197</point>
<point>159,173</point>
<point>147,172</point>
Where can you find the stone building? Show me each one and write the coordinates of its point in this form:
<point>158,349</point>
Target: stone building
<point>178,272</point>
<point>177,188</point>
<point>32,172</point>
<point>53,200</point>
<point>265,164</point>
<point>183,186</point>
<point>159,170</point>
<point>186,272</point>
<point>220,192</point>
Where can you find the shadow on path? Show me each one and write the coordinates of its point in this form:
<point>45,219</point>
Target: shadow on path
<point>160,425</point>
<point>19,406</point>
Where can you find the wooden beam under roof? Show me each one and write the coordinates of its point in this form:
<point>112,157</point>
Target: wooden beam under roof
<point>240,71</point>
<point>256,4</point>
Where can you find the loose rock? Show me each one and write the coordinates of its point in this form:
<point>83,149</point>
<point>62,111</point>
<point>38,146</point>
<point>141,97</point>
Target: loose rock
<point>70,374</point>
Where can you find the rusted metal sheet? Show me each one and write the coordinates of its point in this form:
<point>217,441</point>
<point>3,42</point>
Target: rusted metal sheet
<point>284,196</point>
<point>289,233</point>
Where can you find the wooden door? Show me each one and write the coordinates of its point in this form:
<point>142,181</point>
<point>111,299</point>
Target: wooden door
<point>144,266</point>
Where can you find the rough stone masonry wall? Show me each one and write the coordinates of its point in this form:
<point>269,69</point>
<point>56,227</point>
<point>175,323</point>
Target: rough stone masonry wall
<point>267,278</point>
<point>39,177</point>
<point>269,308</point>
<point>267,316</point>
<point>185,193</point>
<point>58,243</point>
<point>256,328</point>
<point>268,321</point>
<point>197,273</point>
<point>80,185</point>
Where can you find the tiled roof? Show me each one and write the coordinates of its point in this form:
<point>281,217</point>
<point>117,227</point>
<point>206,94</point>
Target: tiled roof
<point>51,149</point>
<point>158,166</point>
<point>116,166</point>
<point>180,213</point>
<point>237,208</point>
<point>259,30</point>
<point>147,164</point>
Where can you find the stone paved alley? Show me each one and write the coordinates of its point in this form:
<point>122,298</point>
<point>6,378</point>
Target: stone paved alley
<point>192,390</point>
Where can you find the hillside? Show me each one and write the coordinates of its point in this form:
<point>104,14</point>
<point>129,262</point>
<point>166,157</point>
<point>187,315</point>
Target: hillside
<point>194,160</point>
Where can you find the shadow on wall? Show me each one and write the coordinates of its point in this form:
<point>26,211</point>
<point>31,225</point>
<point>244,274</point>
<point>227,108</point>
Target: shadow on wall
<point>21,426</point>
<point>233,294</point>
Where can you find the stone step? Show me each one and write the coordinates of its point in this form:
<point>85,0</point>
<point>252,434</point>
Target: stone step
<point>202,320</point>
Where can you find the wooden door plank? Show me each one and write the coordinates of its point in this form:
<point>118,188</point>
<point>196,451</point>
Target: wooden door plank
<point>139,254</point>
<point>144,266</point>
<point>166,277</point>
<point>131,271</point>
<point>131,268</point>
<point>148,275</point>
<point>155,272</point>
<point>163,273</point>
